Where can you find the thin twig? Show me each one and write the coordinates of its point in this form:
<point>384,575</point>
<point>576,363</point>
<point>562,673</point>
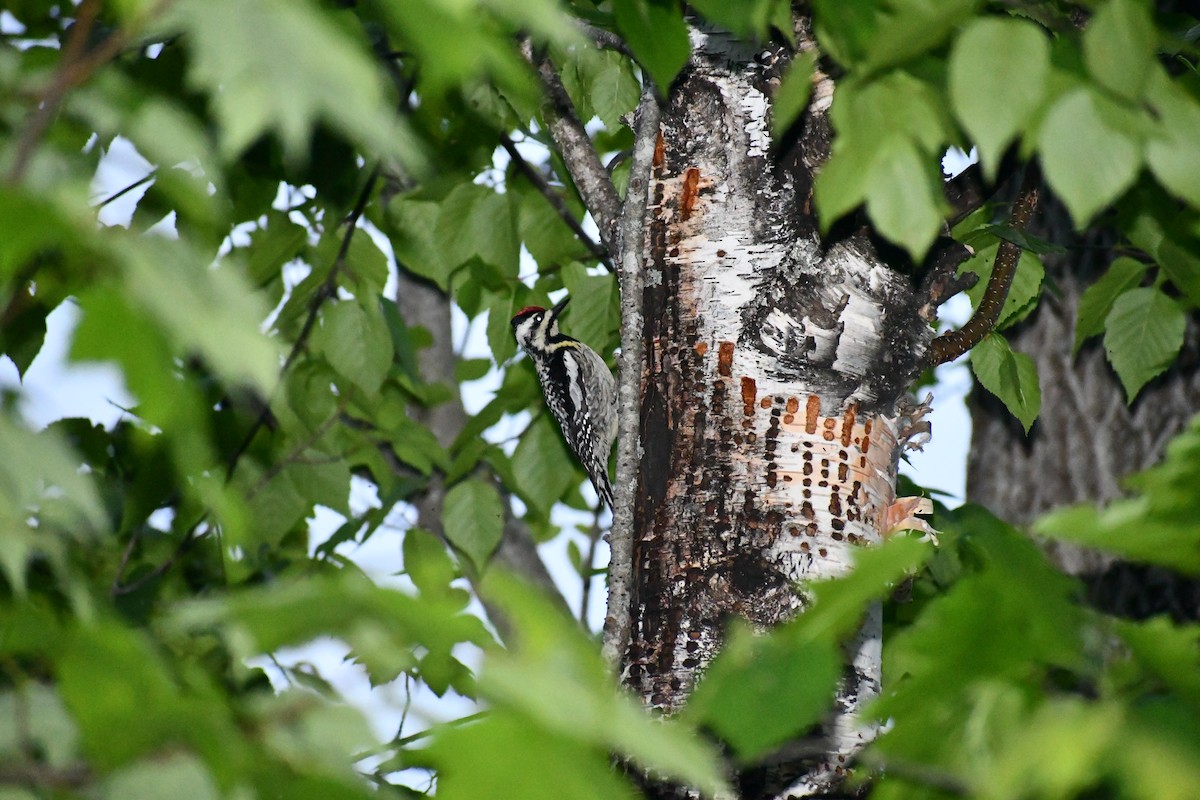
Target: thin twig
<point>554,199</point>
<point>630,267</point>
<point>326,290</point>
<point>589,567</point>
<point>293,455</point>
<point>575,146</point>
<point>76,66</point>
<point>190,538</point>
<point>953,344</point>
<point>119,193</point>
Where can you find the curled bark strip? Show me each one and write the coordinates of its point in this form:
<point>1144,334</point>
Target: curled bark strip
<point>953,344</point>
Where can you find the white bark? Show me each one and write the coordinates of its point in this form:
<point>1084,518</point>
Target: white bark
<point>772,419</point>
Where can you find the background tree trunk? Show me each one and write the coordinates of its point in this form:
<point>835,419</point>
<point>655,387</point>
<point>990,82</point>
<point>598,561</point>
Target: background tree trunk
<point>1087,438</point>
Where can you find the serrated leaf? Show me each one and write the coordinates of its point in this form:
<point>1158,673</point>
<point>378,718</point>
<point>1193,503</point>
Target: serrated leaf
<point>415,243</point>
<point>273,246</point>
<point>1097,300</point>
<point>657,34</point>
<point>791,97</point>
<point>1119,47</point>
<point>614,88</point>
<point>998,69</point>
<point>245,55</point>
<point>473,519</point>
<point>1088,162</point>
<point>1142,335</point>
<point>1010,376</point>
<point>356,342</point>
<point>542,465</point>
<point>477,222</point>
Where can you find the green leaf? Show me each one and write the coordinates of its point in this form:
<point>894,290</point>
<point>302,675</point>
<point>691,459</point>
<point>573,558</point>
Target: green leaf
<point>499,327</point>
<point>246,56</point>
<point>202,310</point>
<point>1026,284</point>
<point>1088,162</point>
<point>415,243</point>
<point>1171,152</point>
<point>1123,274</point>
<point>273,246</point>
<point>356,342</point>
<point>747,19</point>
<point>1158,525</point>
<point>998,70</point>
<point>162,777</point>
<point>1010,376</point>
<point>1169,652</point>
<point>595,318</point>
<point>903,199</point>
<point>791,98</point>
<point>614,88</point>
<point>1142,335</point>
<point>1181,262</point>
<point>427,562</point>
<point>471,369</point>
<point>1119,47</point>
<point>555,678</point>
<point>657,34</point>
<point>473,518</point>
<point>542,465</point>
<point>112,679</point>
<point>762,690</point>
<point>477,222</point>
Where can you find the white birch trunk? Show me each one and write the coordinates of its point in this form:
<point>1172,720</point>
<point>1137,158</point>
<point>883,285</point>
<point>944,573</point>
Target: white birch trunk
<point>773,409</point>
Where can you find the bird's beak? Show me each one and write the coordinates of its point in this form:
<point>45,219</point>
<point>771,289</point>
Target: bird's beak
<point>558,308</point>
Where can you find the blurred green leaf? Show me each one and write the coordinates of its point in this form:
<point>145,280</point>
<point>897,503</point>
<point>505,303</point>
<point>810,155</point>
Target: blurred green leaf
<point>1118,47</point>
<point>246,57</point>
<point>656,32</point>
<point>1088,162</point>
<point>998,70</point>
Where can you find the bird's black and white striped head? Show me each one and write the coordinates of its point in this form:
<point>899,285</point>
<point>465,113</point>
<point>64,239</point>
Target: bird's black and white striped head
<point>536,328</point>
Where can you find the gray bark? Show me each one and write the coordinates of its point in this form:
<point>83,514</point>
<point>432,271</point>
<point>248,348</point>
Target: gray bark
<point>1087,438</point>
<point>423,304</point>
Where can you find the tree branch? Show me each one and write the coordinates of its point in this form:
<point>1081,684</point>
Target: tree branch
<point>77,65</point>
<point>583,162</point>
<point>326,290</point>
<point>554,199</point>
<point>189,539</point>
<point>953,344</point>
<point>630,266</point>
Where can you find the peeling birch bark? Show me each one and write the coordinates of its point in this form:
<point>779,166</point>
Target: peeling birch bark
<point>773,402</point>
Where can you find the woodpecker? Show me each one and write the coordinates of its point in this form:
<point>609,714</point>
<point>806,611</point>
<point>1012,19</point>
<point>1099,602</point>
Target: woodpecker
<point>578,388</point>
